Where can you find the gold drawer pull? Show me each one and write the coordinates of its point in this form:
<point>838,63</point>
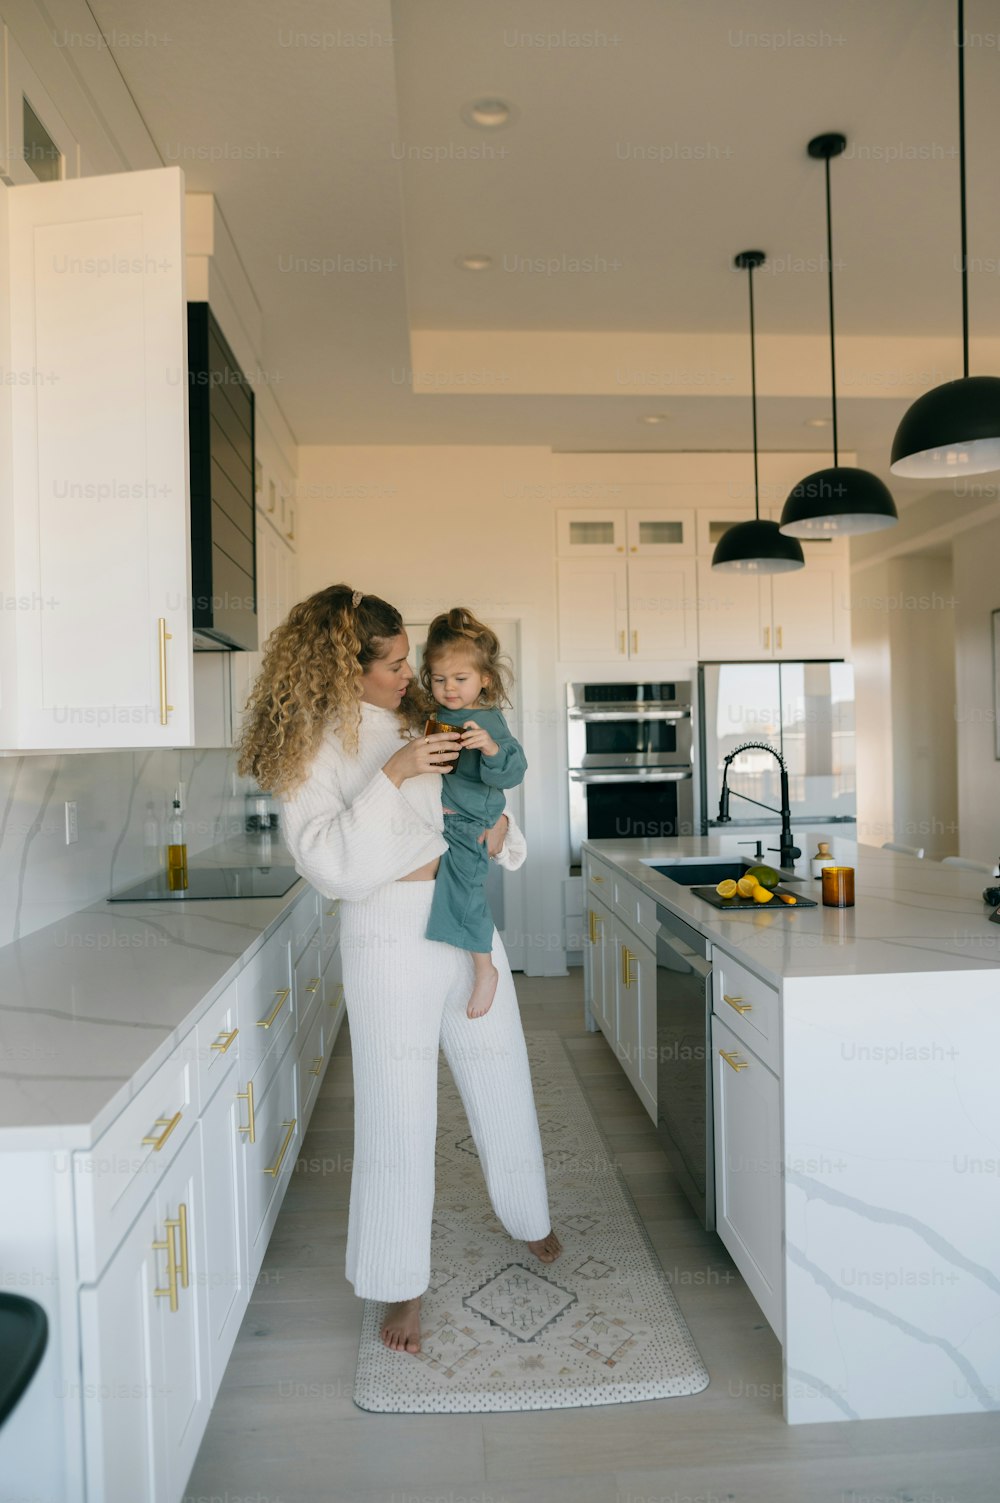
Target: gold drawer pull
<point>317,1064</point>
<point>767,639</point>
<point>165,637</point>
<point>778,635</point>
<point>281,996</point>
<point>168,1246</point>
<point>733,1062</point>
<point>250,1128</point>
<point>273,1168</point>
<point>337,997</point>
<point>737,1004</point>
<point>635,641</point>
<point>621,642</point>
<point>168,1124</point>
<point>313,984</point>
<point>332,912</point>
<point>627,959</point>
<point>182,1226</point>
<point>222,1047</point>
<point>595,878</point>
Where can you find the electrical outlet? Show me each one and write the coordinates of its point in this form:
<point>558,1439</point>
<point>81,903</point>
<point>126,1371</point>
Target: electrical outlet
<point>72,833</point>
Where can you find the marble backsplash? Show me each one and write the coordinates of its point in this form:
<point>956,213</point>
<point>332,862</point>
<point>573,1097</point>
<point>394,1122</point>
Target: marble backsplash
<point>117,793</point>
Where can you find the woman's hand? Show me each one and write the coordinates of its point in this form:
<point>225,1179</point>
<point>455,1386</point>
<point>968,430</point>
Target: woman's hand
<point>495,837</point>
<point>475,738</point>
<point>423,754</point>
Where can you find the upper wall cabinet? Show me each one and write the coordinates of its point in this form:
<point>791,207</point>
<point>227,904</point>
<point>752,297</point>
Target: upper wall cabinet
<point>94,509</point>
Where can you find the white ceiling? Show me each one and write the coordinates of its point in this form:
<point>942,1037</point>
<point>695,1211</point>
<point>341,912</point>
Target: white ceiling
<point>324,121</point>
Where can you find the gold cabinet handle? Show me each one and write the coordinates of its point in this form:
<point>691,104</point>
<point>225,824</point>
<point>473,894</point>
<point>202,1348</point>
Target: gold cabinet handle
<point>593,925</point>
<point>627,975</point>
<point>291,534</point>
<point>778,636</point>
<point>634,548</point>
<point>621,641</point>
<point>737,1003</point>
<point>273,1168</point>
<point>335,1000</point>
<point>228,1037</point>
<point>281,996</point>
<point>168,1246</point>
<point>168,1124</point>
<point>317,1064</point>
<point>596,878</point>
<point>767,639</point>
<point>733,1062</point>
<point>620,548</point>
<point>165,637</point>
<point>313,984</point>
<point>635,641</point>
<point>250,1128</point>
<point>182,1227</point>
<point>332,912</point>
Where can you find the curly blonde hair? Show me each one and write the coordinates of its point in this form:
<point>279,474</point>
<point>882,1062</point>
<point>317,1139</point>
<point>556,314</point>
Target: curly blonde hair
<point>311,678</point>
<point>459,630</point>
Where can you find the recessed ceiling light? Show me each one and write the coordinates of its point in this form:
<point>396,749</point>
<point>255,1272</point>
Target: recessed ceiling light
<point>474,263</point>
<point>817,423</point>
<point>488,114</point>
<point>655,417</point>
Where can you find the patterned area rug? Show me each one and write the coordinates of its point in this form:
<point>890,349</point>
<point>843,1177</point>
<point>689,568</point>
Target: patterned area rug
<point>500,1330</point>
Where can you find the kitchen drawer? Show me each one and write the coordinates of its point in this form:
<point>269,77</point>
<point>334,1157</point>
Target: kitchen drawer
<point>600,879</point>
<point>332,993</point>
<point>329,926</point>
<point>304,921</point>
<point>637,909</point>
<point>747,1005</point>
<point>216,1044</point>
<point>312,1063</point>
<point>113,1180</point>
<point>307,983</point>
<point>265,1005</point>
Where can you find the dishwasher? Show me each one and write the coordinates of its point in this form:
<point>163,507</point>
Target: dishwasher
<point>684,1059</point>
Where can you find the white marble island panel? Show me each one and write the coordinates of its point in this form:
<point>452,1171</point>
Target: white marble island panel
<point>890,1126</point>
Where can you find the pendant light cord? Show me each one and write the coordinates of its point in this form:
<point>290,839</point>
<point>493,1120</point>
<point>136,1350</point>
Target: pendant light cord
<point>961,178</point>
<point>829,269</point>
<point>753,398</point>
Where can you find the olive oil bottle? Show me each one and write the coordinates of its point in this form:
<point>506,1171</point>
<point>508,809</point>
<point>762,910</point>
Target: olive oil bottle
<point>177,858</point>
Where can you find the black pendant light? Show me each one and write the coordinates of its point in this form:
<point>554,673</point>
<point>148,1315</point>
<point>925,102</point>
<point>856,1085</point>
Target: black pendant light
<point>755,547</point>
<point>954,429</point>
<point>840,499</point>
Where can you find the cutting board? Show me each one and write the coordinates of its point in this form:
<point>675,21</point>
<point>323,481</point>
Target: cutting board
<point>743,905</point>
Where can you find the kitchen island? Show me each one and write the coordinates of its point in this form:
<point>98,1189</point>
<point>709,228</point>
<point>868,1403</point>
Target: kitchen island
<point>857,1118</point>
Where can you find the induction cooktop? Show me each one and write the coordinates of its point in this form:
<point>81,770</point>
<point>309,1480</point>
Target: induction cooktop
<point>213,882</point>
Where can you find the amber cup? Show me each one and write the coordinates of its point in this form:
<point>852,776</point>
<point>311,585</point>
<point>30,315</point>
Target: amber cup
<point>439,728</point>
<point>838,886</point>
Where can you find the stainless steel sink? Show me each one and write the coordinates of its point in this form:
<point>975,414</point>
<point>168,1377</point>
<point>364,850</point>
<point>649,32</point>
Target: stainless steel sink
<point>706,872</point>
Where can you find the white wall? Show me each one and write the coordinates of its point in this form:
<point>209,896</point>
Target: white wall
<point>976,554</point>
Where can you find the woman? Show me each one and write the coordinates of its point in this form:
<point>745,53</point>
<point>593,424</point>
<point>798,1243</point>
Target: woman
<point>332,730</point>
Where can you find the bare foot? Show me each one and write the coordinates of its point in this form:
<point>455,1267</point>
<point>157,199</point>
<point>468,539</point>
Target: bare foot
<point>401,1327</point>
<point>484,989</point>
<point>548,1248</point>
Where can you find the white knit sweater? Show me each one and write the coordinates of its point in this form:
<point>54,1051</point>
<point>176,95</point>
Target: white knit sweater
<point>349,828</point>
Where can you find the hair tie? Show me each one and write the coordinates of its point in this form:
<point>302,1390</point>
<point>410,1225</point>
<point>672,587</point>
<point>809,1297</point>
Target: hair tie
<point>356,599</point>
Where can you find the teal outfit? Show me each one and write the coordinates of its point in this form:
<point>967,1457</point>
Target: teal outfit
<point>460,914</point>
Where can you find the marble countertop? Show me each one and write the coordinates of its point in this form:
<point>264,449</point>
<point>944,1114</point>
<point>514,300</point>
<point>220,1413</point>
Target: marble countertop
<point>910,915</point>
<point>92,1005</point>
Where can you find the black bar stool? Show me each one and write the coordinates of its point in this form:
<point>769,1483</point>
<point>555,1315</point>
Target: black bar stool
<point>24,1334</point>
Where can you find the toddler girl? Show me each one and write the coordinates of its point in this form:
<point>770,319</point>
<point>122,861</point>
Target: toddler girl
<point>465,673</point>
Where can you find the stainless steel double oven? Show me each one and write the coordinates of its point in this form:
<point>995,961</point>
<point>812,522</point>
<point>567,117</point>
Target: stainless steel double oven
<point>630,762</point>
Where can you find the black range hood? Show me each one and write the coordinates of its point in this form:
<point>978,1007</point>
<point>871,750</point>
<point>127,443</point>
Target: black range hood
<point>223,543</point>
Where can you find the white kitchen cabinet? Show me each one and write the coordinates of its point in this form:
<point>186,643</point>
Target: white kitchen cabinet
<point>146,1395</point>
<point>649,532</point>
<point>94,510</point>
<point>635,985</point>
<point>271,1136</point>
<point>749,1184</point>
<point>617,610</point>
<point>802,614</point>
<point>226,1272</point>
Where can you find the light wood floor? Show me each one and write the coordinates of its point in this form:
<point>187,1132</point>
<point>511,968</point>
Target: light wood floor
<point>285,1429</point>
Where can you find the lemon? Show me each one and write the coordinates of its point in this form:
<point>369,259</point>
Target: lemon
<point>747,886</point>
<point>762,894</point>
<point>727,888</point>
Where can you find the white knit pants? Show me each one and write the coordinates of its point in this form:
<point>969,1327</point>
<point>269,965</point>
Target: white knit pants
<point>406,996</point>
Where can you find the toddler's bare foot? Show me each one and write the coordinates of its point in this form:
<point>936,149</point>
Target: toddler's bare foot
<point>401,1327</point>
<point>484,989</point>
<point>547,1248</point>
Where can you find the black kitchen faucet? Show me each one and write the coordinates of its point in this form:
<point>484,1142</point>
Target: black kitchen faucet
<point>788,851</point>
